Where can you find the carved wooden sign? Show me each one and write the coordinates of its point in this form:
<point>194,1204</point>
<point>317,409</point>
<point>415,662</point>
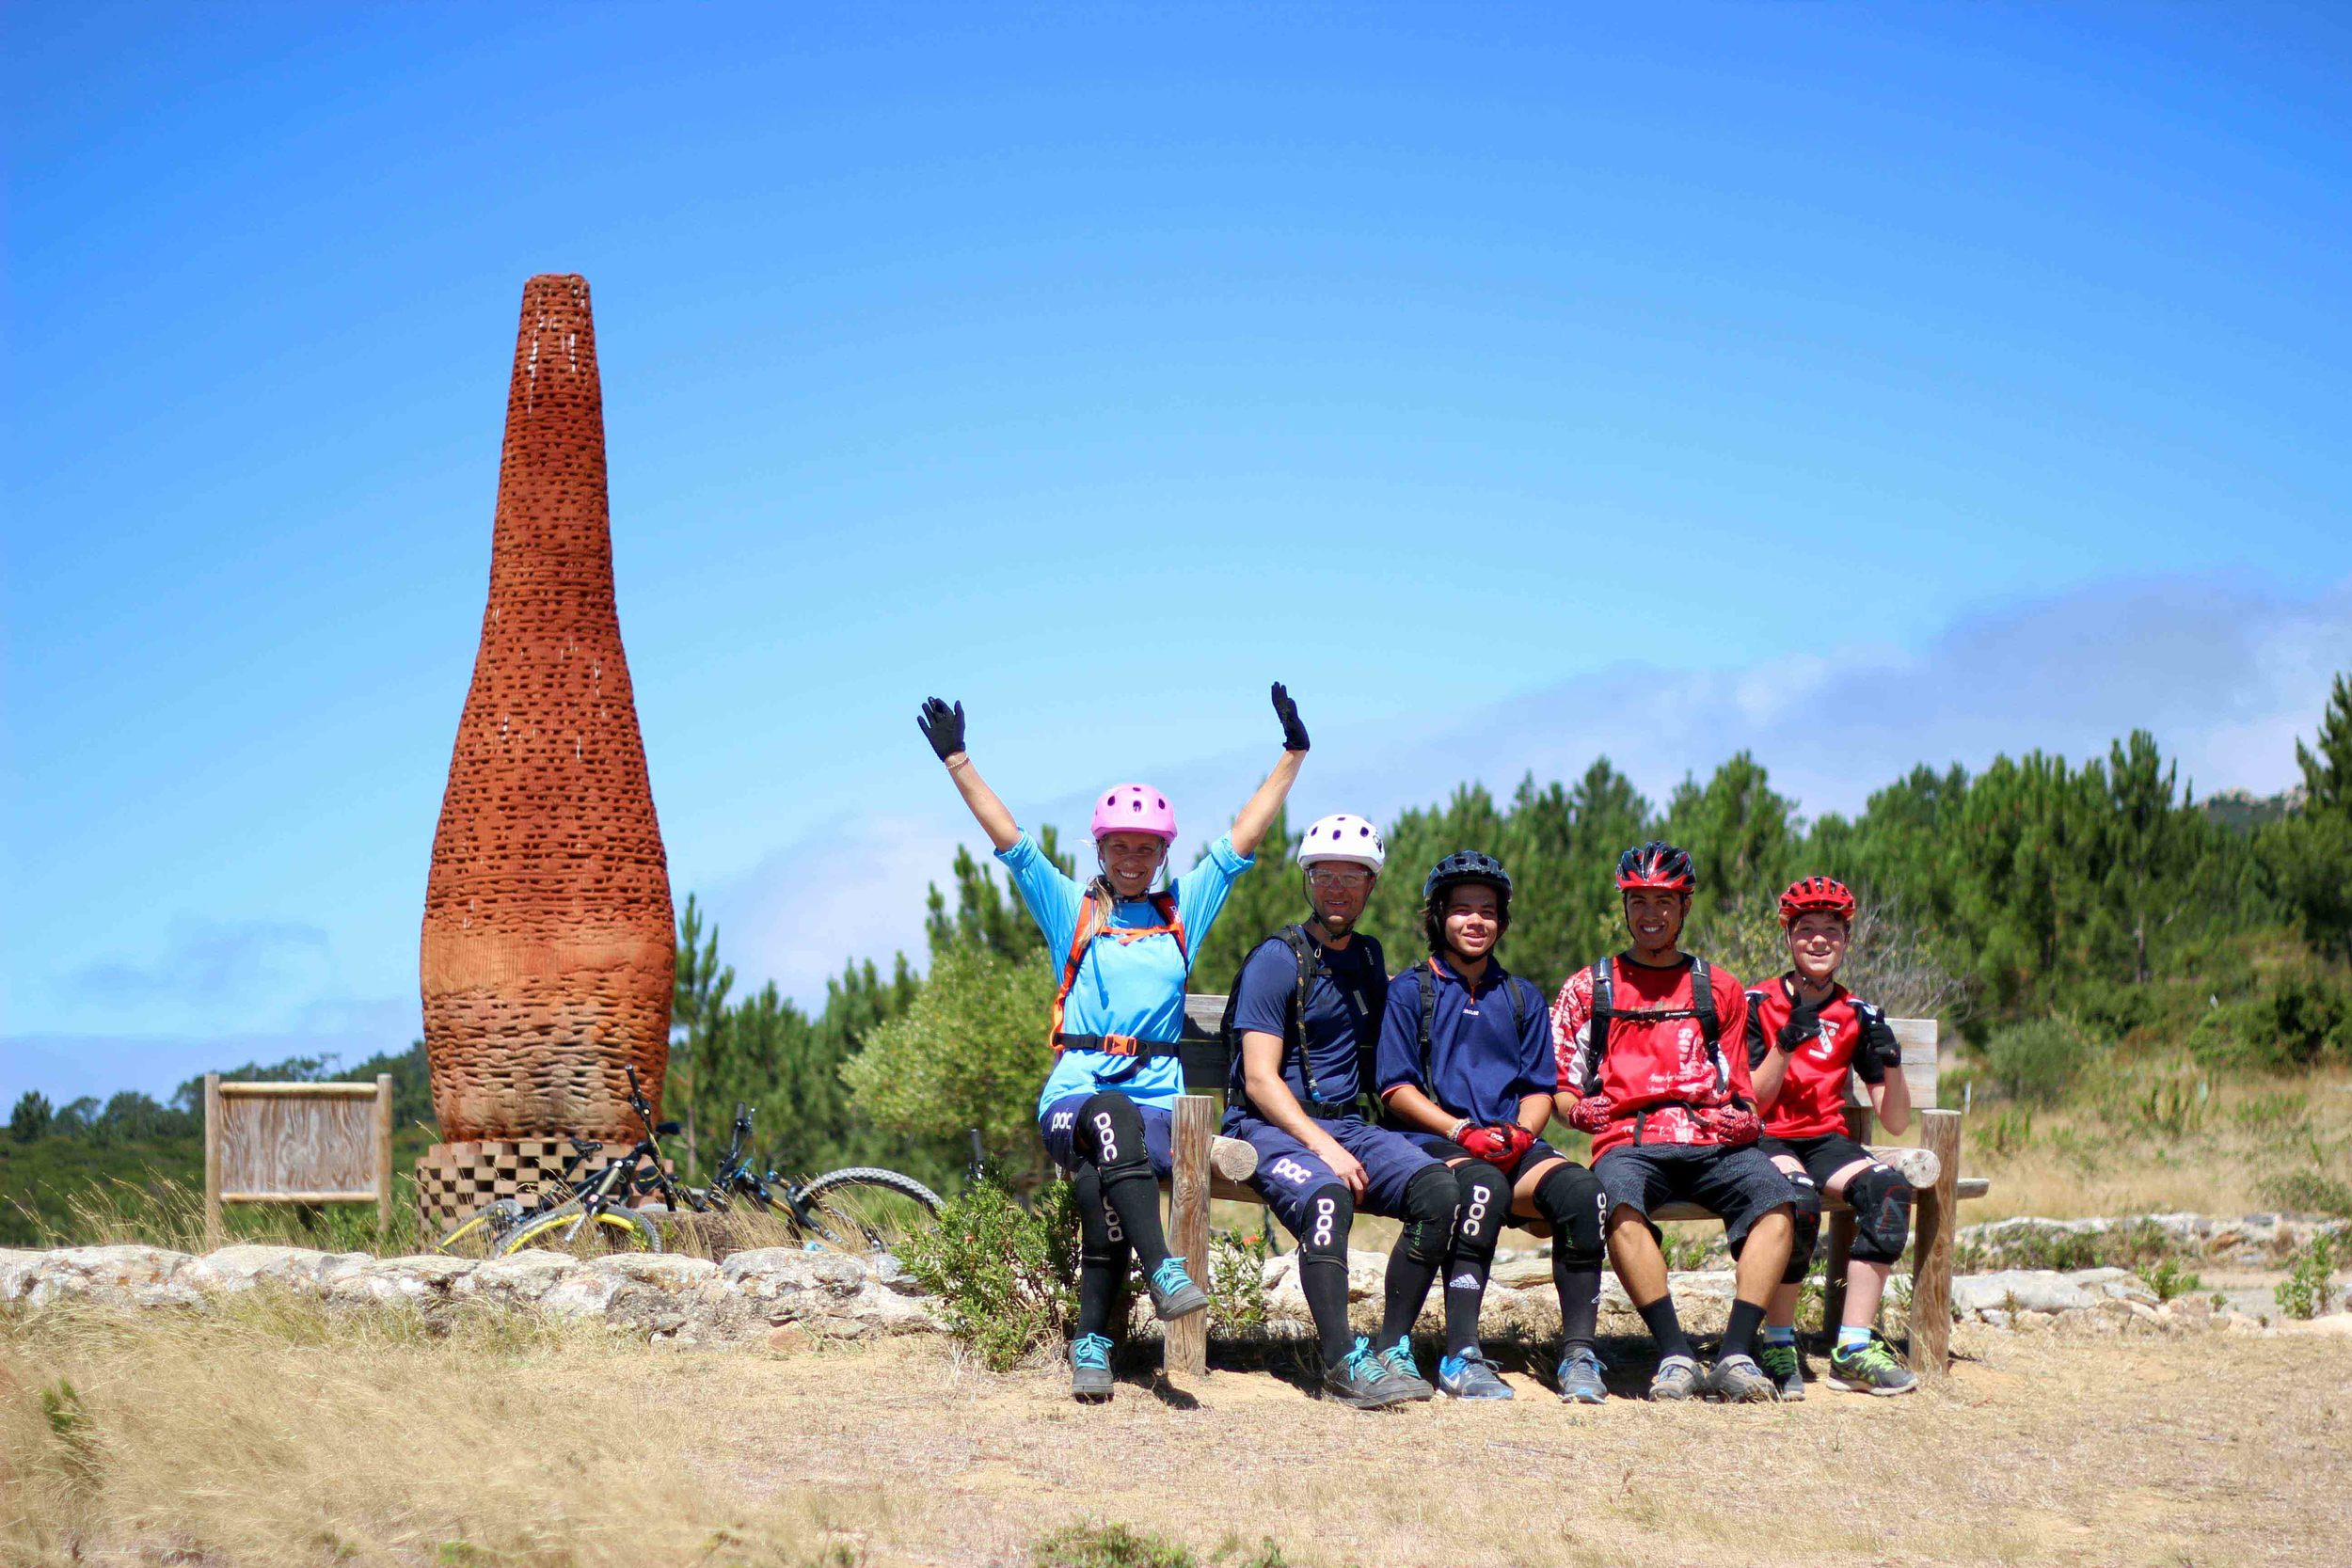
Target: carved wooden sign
<point>546,953</point>
<point>296,1143</point>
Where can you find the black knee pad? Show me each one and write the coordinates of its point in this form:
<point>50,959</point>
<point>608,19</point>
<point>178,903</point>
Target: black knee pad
<point>1101,1237</point>
<point>1571,1198</point>
<point>1881,1201</point>
<point>1485,1200</point>
<point>1430,1198</point>
<point>1323,1228</point>
<point>1807,1212</point>
<point>1110,1134</point>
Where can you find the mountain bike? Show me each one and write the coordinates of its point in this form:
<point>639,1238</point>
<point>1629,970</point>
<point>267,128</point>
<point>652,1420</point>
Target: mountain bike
<point>857,1209</point>
<point>478,1234</point>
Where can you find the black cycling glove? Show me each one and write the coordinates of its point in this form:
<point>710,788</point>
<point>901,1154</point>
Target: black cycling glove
<point>943,727</point>
<point>1805,1021</point>
<point>1293,733</point>
<point>1877,1038</point>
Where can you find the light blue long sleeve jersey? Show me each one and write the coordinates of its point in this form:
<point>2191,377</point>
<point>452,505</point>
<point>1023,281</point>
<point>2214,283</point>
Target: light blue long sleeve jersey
<point>1123,987</point>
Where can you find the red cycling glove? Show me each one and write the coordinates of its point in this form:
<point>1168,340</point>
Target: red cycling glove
<point>1489,1143</point>
<point>1592,1113</point>
<point>1734,1126</point>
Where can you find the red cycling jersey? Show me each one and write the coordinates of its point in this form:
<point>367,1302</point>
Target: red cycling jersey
<point>1812,1100</point>
<point>1654,1074</point>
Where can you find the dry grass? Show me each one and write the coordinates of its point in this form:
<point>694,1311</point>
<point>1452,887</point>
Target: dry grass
<point>283,1435</point>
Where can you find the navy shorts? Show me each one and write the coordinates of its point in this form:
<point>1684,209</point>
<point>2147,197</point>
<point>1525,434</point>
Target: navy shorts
<point>1288,1175</point>
<point>1740,1185</point>
<point>1058,1127</point>
<point>1445,1149</point>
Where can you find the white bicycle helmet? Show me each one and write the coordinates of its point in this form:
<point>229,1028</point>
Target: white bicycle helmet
<point>1342,837</point>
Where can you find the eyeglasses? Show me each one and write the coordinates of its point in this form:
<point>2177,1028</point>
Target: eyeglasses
<point>1350,879</point>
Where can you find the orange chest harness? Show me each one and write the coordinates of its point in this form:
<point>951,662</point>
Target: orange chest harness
<point>1171,924</point>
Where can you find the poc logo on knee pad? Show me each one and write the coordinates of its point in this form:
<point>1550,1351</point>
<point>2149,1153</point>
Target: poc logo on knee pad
<point>1104,1137</point>
<point>1324,1212</point>
<point>1474,1213</point>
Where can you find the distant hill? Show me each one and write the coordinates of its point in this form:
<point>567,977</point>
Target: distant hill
<point>2242,812</point>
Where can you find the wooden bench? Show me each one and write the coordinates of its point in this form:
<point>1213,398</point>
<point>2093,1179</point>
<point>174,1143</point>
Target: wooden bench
<point>1209,1167</point>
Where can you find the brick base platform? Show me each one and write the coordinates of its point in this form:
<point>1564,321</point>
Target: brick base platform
<point>454,1179</point>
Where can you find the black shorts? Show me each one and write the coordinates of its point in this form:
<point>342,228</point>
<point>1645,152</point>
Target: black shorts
<point>1823,1157</point>
<point>1740,1185</point>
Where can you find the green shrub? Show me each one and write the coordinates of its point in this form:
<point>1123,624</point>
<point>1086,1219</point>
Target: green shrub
<point>2311,1275</point>
<point>2310,1191</point>
<point>1237,1281</point>
<point>2168,1279</point>
<point>2172,1107</point>
<point>2037,1061</point>
<point>1112,1546</point>
<point>2006,1131</point>
<point>2284,1112</point>
<point>1006,1277</point>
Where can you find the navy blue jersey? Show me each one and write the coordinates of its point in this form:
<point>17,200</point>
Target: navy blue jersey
<point>1481,1060</point>
<point>1343,1015</point>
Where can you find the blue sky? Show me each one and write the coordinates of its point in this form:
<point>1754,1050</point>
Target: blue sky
<point>1517,384</point>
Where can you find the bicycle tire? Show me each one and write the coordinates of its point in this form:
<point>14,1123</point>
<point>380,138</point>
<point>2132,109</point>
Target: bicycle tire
<point>863,1208</point>
<point>477,1234</point>
<point>616,1230</point>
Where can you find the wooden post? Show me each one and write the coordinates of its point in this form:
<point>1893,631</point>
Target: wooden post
<point>1187,1343</point>
<point>1931,1248</point>
<point>212,1161</point>
<point>383,1157</point>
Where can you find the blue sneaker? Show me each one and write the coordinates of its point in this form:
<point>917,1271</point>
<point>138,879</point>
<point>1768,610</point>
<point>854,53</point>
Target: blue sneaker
<point>1090,1368</point>
<point>1398,1359</point>
<point>1471,1376</point>
<point>1580,1376</point>
<point>1173,1293</point>
<point>1367,1382</point>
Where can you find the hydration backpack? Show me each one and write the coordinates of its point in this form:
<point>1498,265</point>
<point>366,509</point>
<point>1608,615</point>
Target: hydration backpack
<point>1114,1045</point>
<point>1702,1008</point>
<point>1310,962</point>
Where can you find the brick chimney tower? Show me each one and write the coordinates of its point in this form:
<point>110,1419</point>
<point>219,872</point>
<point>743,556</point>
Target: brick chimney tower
<point>547,950</point>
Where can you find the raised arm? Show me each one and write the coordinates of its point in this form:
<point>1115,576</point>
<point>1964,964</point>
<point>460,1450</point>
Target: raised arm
<point>943,727</point>
<point>1257,814</point>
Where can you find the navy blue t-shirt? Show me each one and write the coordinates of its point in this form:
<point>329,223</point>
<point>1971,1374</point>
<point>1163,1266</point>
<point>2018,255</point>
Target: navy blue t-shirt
<point>1480,1066</point>
<point>1343,1015</point>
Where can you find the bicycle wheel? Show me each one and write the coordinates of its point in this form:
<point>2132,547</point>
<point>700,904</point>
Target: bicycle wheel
<point>614,1230</point>
<point>865,1209</point>
<point>477,1235</point>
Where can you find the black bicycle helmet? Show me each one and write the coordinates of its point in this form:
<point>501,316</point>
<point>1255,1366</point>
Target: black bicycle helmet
<point>1466,865</point>
<point>1658,864</point>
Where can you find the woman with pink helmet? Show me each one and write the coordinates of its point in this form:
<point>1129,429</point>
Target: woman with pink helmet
<point>1124,950</point>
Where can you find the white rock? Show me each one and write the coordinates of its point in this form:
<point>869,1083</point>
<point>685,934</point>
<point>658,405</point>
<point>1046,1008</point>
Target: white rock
<point>2020,1290</point>
<point>16,1272</point>
<point>522,1279</point>
<point>421,1280</point>
<point>121,1275</point>
<point>242,1268</point>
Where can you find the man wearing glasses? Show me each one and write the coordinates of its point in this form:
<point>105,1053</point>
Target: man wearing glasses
<point>1302,1022</point>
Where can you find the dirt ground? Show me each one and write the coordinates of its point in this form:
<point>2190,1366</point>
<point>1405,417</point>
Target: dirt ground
<point>302,1441</point>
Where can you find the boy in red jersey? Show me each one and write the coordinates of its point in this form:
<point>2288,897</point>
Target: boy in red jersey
<point>1806,1034</point>
<point>1651,1063</point>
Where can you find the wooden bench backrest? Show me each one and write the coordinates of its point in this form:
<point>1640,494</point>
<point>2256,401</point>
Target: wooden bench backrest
<point>1207,1063</point>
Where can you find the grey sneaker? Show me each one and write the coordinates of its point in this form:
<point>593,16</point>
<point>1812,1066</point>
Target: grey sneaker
<point>1738,1379</point>
<point>1398,1359</point>
<point>1580,1376</point>
<point>1869,1368</point>
<point>1781,1364</point>
<point>1471,1376</point>
<point>1677,1379</point>
<point>1367,1382</point>
<point>1090,1368</point>
<point>1173,1293</point>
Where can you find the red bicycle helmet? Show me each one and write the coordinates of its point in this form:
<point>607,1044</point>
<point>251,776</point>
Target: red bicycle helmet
<point>1817,895</point>
<point>1659,865</point>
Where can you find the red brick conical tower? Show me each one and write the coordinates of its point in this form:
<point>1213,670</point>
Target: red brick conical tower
<point>548,930</point>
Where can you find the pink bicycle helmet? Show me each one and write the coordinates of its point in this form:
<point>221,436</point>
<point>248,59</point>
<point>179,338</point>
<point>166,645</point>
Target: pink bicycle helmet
<point>1134,808</point>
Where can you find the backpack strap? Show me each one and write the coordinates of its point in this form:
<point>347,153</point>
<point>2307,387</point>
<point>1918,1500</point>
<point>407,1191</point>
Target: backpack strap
<point>1425,974</point>
<point>1295,1026</point>
<point>1710,1026</point>
<point>1171,924</point>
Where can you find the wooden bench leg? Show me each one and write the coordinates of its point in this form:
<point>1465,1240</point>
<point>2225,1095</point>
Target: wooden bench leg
<point>1834,1287</point>
<point>1934,1216</point>
<point>1186,1347</point>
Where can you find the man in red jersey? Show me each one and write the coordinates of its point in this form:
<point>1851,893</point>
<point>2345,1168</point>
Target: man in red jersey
<point>1806,1034</point>
<point>1651,1063</point>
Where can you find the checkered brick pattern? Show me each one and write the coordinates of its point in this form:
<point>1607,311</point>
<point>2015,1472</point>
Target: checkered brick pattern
<point>454,1179</point>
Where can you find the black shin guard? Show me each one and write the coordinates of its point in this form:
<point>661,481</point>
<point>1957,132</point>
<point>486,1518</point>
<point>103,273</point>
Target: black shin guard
<point>1323,1269</point>
<point>1808,1214</point>
<point>1430,1200</point>
<point>1101,1253</point>
<point>1881,1200</point>
<point>1477,1226</point>
<point>1571,1199</point>
<point>1110,1136</point>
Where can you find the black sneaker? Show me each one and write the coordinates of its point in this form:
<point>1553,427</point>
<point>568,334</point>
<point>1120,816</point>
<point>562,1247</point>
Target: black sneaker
<point>1781,1364</point>
<point>1367,1382</point>
<point>1173,1293</point>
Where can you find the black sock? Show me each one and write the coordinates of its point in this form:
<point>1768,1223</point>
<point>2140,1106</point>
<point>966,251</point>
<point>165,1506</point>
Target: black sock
<point>1740,1337</point>
<point>1578,1284</point>
<point>1099,1283</point>
<point>1408,1284</point>
<point>1135,1197</point>
<point>1665,1327</point>
<point>1465,1292</point>
<point>1324,1282</point>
